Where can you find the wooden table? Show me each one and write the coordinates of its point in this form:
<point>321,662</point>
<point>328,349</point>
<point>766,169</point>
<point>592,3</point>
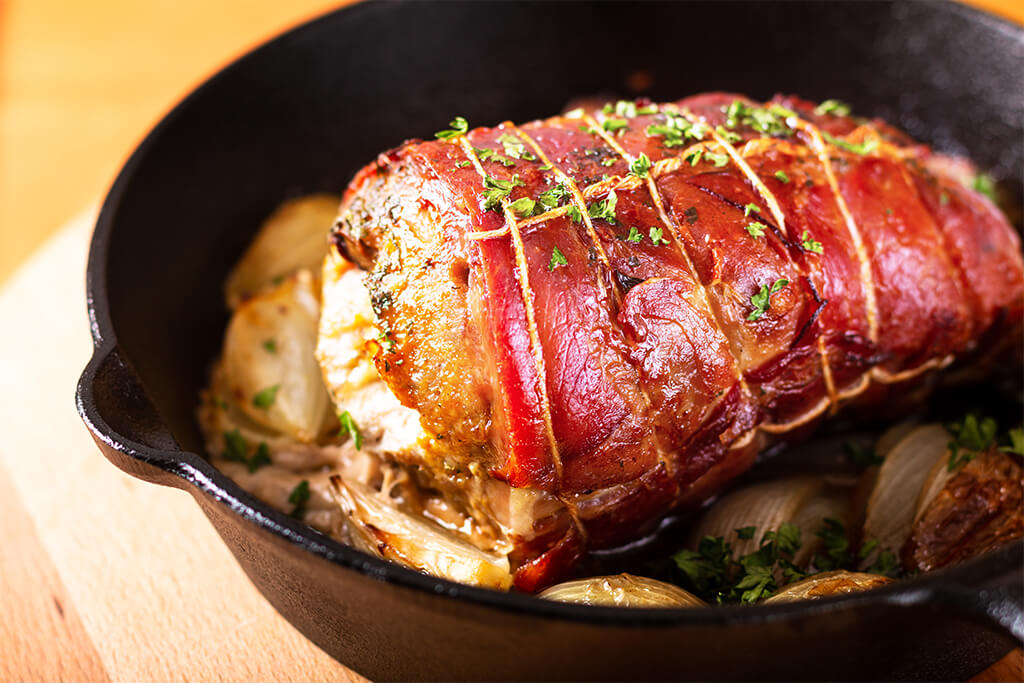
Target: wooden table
<point>103,576</point>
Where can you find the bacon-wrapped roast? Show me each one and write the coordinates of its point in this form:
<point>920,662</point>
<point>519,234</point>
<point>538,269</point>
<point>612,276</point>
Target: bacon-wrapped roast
<point>600,317</point>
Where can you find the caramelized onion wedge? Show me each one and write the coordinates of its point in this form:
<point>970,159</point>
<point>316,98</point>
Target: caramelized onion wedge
<point>379,528</point>
<point>828,583</point>
<point>622,590</point>
<point>292,238</point>
<point>893,500</point>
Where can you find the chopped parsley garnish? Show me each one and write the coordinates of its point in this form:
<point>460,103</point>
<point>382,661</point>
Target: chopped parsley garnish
<point>970,436</point>
<point>756,229</point>
<point>809,244</point>
<point>1016,442</point>
<point>695,157</point>
<point>608,161</point>
<point>515,148</point>
<point>862,457</point>
<point>656,235</point>
<point>553,197</point>
<point>762,300</point>
<point>834,107</point>
<point>523,207</point>
<point>690,214</point>
<point>459,126</point>
<point>269,345</point>
<point>746,533</point>
<point>220,403</point>
<point>634,236</point>
<point>837,547</point>
<point>265,398</point>
<point>484,154</point>
<point>751,208</point>
<point>770,121</point>
<point>985,184</point>
<point>641,166</point>
<point>574,214</point>
<point>495,190</point>
<point>349,428</point>
<point>676,130</point>
<point>866,147</point>
<point>546,167</point>
<point>463,164</point>
<point>781,175</point>
<point>605,208</point>
<point>557,259</point>
<point>616,126</point>
<point>728,135</point>
<point>719,160</point>
<point>237,450</point>
<point>299,497</point>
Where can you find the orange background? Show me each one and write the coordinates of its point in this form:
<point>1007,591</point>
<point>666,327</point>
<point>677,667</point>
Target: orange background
<point>82,82</point>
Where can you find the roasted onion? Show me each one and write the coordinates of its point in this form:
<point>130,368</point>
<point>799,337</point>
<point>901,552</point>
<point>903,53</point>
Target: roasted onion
<point>622,590</point>
<point>828,583</point>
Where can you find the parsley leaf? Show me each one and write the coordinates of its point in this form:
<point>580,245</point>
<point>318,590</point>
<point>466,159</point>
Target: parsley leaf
<point>762,299</point>
<point>866,147</point>
<point>763,120</point>
<point>781,175</point>
<point>484,154</point>
<point>809,244</point>
<point>694,157</point>
<point>746,533</point>
<point>553,197</point>
<point>728,135</point>
<point>751,208</point>
<point>634,235</point>
<point>616,126</point>
<point>656,236</point>
<point>719,160</point>
<point>604,209</point>
<point>237,450</point>
<point>269,345</point>
<point>756,229</point>
<point>515,148</point>
<point>265,398</point>
<point>299,497</point>
<point>459,126</point>
<point>641,166</point>
<point>495,190</point>
<point>523,207</point>
<point>557,259</point>
<point>973,434</point>
<point>837,547</point>
<point>985,184</point>
<point>1016,442</point>
<point>349,428</point>
<point>574,214</point>
<point>834,107</point>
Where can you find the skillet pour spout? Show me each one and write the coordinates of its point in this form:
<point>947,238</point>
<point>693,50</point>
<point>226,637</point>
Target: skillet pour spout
<point>302,113</point>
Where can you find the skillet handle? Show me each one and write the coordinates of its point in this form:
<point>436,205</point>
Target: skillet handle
<point>123,421</point>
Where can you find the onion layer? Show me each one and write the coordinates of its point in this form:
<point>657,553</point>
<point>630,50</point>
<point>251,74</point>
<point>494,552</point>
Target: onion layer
<point>622,590</point>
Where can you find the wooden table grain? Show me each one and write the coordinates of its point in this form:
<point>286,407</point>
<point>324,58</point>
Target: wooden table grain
<point>103,577</point>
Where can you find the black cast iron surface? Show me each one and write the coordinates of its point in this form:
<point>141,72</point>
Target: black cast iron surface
<point>302,113</point>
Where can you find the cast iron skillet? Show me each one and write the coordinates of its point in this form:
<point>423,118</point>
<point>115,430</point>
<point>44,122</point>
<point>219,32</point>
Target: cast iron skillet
<point>303,112</point>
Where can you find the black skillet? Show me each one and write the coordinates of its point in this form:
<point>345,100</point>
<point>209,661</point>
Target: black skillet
<point>303,112</point>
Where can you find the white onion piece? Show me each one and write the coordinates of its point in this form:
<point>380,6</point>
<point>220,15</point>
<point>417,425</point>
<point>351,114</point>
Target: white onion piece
<point>765,506</point>
<point>292,238</point>
<point>622,590</point>
<point>379,528</point>
<point>828,583</point>
<point>893,501</point>
<point>286,318</point>
<point>937,478</point>
<point>831,503</point>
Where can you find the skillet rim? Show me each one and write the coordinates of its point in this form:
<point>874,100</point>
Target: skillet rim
<point>197,475</point>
